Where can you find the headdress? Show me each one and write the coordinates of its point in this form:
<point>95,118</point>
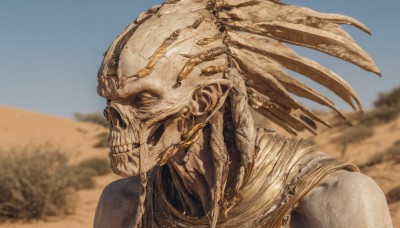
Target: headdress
<point>254,33</point>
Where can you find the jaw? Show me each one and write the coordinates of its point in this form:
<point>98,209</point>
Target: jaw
<point>136,158</point>
<point>125,164</point>
<point>131,163</point>
<point>147,148</point>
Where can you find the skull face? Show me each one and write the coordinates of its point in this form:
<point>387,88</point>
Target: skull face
<point>144,99</point>
<point>142,127</point>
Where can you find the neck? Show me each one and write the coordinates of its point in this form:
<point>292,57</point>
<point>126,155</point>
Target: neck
<point>208,171</point>
<point>192,173</point>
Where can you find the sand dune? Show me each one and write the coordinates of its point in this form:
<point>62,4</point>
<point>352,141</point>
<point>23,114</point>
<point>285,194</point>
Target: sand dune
<point>20,127</point>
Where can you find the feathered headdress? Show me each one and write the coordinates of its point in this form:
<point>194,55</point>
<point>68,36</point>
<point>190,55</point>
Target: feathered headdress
<point>257,31</point>
<point>254,33</point>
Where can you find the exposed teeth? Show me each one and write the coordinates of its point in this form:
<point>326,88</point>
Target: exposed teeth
<point>123,148</point>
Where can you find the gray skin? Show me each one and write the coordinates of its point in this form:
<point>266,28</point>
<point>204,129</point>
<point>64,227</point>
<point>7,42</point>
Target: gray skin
<point>341,199</point>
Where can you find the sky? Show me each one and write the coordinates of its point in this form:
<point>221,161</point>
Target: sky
<point>50,50</point>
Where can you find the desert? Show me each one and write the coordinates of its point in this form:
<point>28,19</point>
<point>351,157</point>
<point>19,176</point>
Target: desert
<point>79,139</point>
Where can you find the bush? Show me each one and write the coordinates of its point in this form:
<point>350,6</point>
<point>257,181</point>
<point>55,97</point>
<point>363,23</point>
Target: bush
<point>387,108</point>
<point>83,178</point>
<point>96,118</point>
<point>354,134</point>
<point>393,195</point>
<point>103,141</point>
<point>380,115</point>
<point>35,183</point>
<point>390,154</point>
<point>390,99</point>
<point>97,165</point>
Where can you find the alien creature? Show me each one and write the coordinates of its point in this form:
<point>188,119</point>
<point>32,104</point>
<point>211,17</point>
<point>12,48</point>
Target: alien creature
<point>180,82</point>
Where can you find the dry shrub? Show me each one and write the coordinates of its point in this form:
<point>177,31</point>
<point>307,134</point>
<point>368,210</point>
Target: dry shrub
<point>35,182</point>
<point>387,108</point>
<point>99,166</point>
<point>83,178</point>
<point>96,118</point>
<point>390,154</point>
<point>103,141</point>
<point>393,195</point>
<point>354,134</point>
<point>389,99</point>
<point>374,117</point>
<point>380,115</point>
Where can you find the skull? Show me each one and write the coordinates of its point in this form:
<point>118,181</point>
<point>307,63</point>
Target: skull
<point>140,79</point>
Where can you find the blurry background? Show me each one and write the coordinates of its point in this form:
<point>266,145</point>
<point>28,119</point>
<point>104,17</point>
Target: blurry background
<point>50,51</point>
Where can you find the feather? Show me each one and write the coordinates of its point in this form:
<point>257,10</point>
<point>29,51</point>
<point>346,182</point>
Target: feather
<point>303,27</point>
<point>257,102</point>
<point>284,56</point>
<point>267,10</point>
<point>314,38</point>
<point>269,85</point>
<point>290,83</point>
<point>286,115</point>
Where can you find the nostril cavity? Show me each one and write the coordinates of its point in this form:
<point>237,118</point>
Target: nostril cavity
<point>116,119</point>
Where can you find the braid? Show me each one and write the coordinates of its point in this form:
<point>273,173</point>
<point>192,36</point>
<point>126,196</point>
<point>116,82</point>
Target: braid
<point>244,125</point>
<point>142,199</point>
<point>221,164</point>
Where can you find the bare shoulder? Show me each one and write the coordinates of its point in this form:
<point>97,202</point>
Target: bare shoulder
<point>344,199</point>
<point>118,204</point>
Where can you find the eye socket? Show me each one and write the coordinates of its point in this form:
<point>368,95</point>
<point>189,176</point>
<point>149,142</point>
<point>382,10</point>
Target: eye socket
<point>145,99</point>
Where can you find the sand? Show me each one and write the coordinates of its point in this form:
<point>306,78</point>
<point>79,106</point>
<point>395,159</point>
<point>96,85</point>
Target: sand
<point>21,127</point>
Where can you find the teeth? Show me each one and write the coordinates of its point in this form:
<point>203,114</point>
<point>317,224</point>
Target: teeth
<point>123,148</point>
<point>112,137</point>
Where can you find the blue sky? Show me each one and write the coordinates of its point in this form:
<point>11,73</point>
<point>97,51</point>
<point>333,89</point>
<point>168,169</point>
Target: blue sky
<point>50,50</point>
